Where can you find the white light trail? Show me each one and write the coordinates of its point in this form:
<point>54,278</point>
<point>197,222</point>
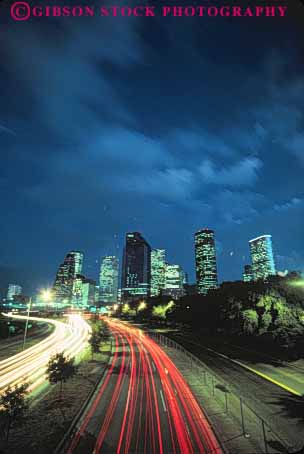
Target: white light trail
<point>30,365</point>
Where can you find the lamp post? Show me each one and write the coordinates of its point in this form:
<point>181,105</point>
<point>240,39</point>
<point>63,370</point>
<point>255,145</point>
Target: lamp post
<point>26,323</point>
<point>46,296</point>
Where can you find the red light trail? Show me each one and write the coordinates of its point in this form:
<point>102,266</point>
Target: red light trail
<point>143,405</point>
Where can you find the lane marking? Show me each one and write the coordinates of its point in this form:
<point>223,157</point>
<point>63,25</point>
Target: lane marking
<point>272,380</point>
<point>257,372</point>
<point>163,400</point>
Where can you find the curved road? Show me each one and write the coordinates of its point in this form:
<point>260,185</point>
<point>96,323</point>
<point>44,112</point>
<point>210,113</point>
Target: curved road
<point>30,365</point>
<point>143,405</point>
<point>13,345</point>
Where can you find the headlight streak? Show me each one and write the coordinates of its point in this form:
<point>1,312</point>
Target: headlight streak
<point>30,365</point>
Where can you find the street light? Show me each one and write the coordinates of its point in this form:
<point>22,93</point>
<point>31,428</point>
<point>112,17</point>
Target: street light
<point>26,323</point>
<point>46,296</point>
<point>142,305</point>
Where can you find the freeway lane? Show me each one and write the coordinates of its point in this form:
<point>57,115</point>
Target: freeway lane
<point>13,345</point>
<point>143,405</point>
<point>30,365</point>
<point>281,409</point>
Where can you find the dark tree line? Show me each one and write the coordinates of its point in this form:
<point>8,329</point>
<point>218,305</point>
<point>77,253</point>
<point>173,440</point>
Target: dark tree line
<point>271,311</point>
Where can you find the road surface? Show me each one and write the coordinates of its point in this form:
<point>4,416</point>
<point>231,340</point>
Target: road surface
<point>143,405</point>
<point>30,365</point>
<point>13,345</point>
<point>281,408</point>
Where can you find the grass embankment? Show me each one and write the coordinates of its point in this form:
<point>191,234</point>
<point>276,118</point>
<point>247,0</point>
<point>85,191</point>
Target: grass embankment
<point>49,418</point>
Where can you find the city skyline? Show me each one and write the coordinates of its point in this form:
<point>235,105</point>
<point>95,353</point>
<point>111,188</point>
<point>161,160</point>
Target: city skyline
<point>64,272</point>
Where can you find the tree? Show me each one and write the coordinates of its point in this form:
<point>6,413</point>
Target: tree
<point>94,342</point>
<point>59,369</point>
<point>13,406</point>
<point>99,334</point>
<point>160,312</point>
<point>250,321</point>
<point>103,330</point>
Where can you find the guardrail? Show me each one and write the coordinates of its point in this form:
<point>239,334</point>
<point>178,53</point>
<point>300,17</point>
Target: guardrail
<point>230,398</point>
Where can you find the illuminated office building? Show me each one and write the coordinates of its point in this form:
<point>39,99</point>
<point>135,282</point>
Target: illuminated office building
<point>84,292</point>
<point>108,280</point>
<point>262,257</point>
<point>78,261</point>
<point>136,267</point>
<point>158,271</point>
<point>77,290</point>
<point>174,281</point>
<point>88,293</point>
<point>205,260</point>
<point>13,290</point>
<point>247,273</point>
<point>66,274</point>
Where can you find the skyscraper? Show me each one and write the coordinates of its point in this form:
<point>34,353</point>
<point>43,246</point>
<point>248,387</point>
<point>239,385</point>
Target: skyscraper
<point>158,271</point>
<point>13,290</point>
<point>247,273</point>
<point>66,274</point>
<point>88,293</point>
<point>174,281</point>
<point>108,280</point>
<point>136,267</point>
<point>84,291</point>
<point>262,257</point>
<point>78,261</point>
<point>205,260</point>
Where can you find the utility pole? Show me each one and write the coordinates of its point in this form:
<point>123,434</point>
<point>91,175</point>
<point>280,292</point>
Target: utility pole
<point>26,323</point>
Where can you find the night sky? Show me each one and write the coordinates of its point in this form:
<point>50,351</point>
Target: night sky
<point>159,125</point>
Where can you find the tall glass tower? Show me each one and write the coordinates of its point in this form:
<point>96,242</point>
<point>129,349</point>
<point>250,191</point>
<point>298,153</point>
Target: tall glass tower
<point>83,292</point>
<point>175,280</point>
<point>247,273</point>
<point>66,275</point>
<point>13,290</point>
<point>158,271</point>
<point>205,261</point>
<point>262,257</point>
<point>136,267</point>
<point>108,279</point>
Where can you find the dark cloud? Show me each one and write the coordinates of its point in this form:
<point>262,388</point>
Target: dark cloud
<point>161,127</point>
<point>242,173</point>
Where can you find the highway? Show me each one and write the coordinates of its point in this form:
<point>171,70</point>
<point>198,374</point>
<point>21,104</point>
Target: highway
<point>30,365</point>
<point>283,409</point>
<point>13,345</point>
<point>143,404</point>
